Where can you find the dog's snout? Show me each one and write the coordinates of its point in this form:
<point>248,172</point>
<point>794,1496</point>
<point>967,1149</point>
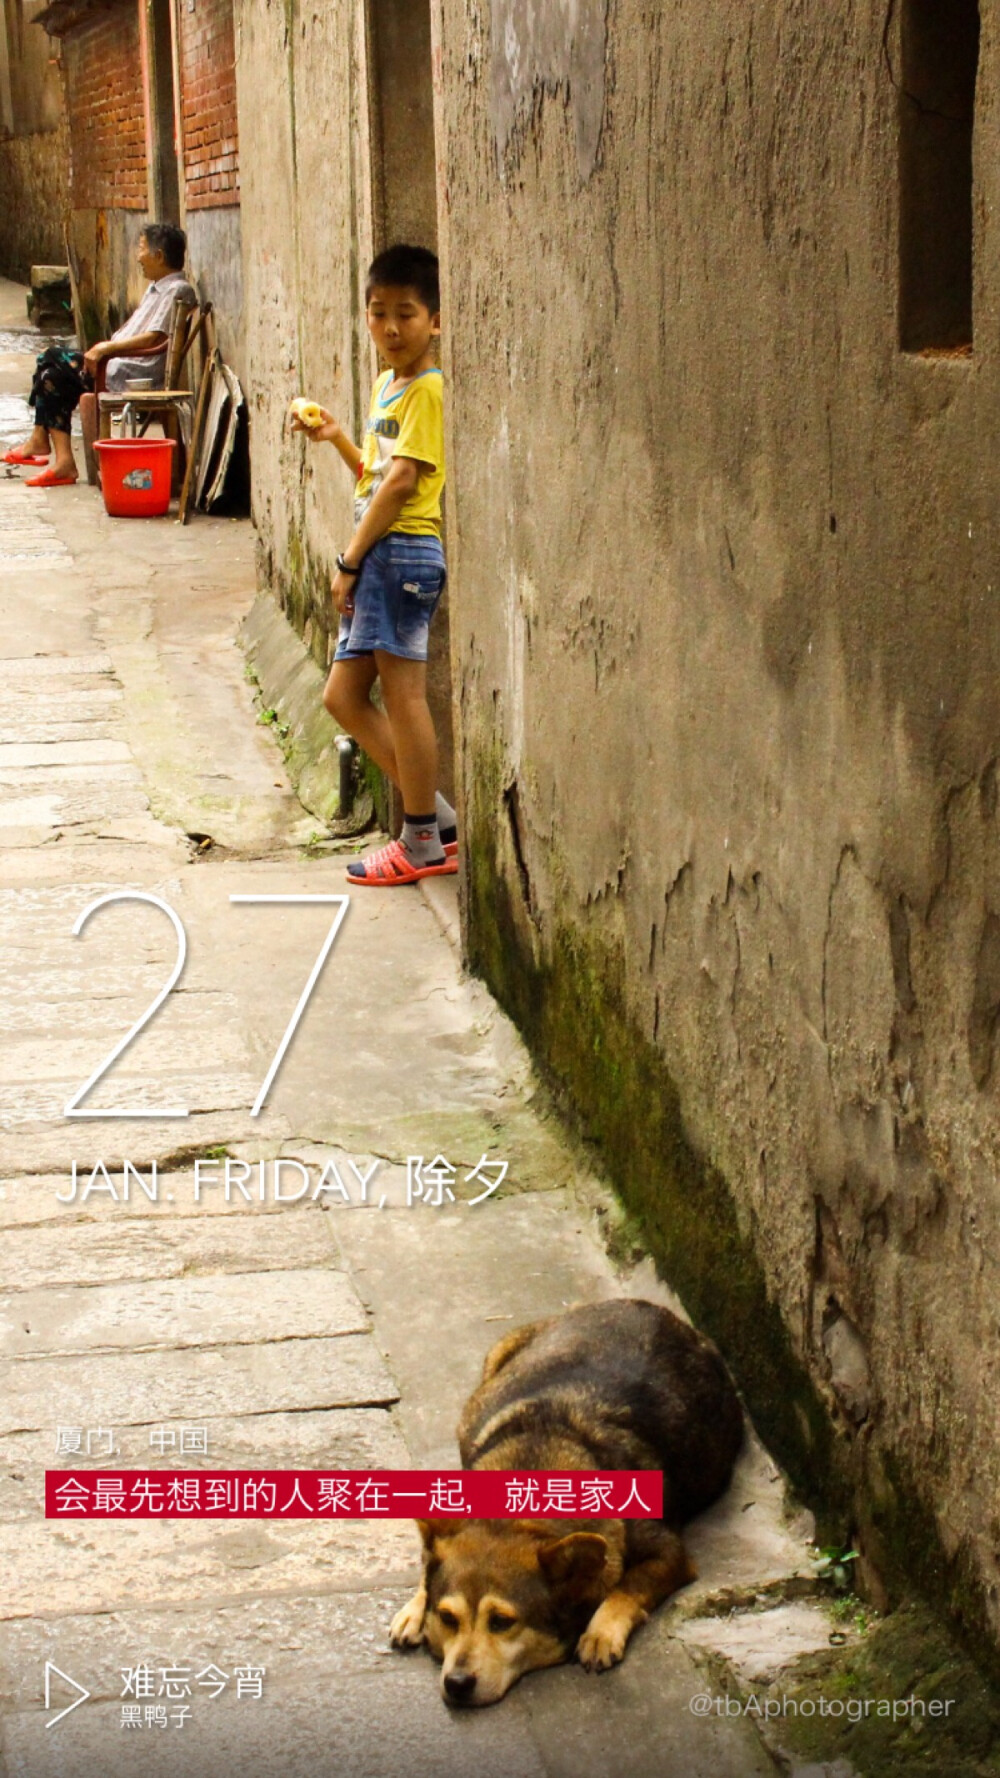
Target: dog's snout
<point>459,1687</point>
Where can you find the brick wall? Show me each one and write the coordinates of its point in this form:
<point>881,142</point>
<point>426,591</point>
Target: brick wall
<point>105,105</point>
<point>208,104</point>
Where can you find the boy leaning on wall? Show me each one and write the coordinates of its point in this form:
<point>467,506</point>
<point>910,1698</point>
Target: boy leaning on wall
<point>391,573</point>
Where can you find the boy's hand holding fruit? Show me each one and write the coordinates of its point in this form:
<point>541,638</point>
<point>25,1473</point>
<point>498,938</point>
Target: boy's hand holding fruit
<point>316,422</point>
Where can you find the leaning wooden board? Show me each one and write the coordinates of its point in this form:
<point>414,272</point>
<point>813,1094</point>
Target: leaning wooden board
<point>198,429</point>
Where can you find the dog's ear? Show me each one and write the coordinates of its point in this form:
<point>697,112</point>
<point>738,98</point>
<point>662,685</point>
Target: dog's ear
<point>576,1560</point>
<point>431,1530</point>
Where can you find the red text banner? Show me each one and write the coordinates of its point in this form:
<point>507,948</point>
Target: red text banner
<point>353,1494</point>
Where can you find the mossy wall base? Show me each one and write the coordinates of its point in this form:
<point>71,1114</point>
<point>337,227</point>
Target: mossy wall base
<point>570,1006</point>
<point>568,997</point>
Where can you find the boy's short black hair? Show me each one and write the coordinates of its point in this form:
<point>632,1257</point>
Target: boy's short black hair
<point>168,239</point>
<point>414,267</point>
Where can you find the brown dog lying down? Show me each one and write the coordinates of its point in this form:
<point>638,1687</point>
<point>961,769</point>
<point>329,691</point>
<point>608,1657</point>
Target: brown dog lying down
<point>619,1385</point>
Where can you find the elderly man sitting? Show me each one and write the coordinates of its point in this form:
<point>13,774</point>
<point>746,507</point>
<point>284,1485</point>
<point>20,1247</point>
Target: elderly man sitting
<point>61,377</point>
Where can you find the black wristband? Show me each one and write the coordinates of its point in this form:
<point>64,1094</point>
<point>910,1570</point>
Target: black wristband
<point>345,567</point>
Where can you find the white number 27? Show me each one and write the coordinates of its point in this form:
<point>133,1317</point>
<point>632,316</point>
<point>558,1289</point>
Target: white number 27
<point>74,1108</point>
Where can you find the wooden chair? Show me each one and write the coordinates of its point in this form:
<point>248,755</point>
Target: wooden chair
<point>139,406</point>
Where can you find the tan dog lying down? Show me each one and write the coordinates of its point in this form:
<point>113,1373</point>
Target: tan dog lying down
<point>620,1385</point>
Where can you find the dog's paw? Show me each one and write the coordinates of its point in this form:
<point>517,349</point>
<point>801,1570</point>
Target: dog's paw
<point>604,1641</point>
<point>407,1627</point>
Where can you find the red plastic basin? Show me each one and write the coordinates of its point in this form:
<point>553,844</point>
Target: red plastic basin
<point>135,476</point>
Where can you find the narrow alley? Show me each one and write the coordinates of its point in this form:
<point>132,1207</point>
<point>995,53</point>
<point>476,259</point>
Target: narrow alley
<point>312,1333</point>
<point>576,515</point>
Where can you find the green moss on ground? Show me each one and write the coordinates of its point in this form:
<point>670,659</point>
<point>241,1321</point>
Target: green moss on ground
<point>904,1528</point>
<point>906,1660</point>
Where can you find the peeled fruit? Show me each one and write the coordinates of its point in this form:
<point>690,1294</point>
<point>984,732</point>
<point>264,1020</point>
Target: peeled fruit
<point>308,413</point>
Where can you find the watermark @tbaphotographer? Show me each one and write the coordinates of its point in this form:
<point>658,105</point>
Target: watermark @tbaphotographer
<point>771,1709</point>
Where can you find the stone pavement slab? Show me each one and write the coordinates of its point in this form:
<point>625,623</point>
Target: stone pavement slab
<point>759,1643</point>
<point>290,1630</point>
<point>34,727</point>
<point>168,1049</point>
<point>34,1258</point>
<point>66,753</point>
<point>74,1566</point>
<point>30,1201</point>
<point>34,1138</point>
<point>129,1388</point>
<point>324,1438</point>
<point>60,778</point>
<point>28,670</point>
<point>367,1727</point>
<point>68,807</point>
<point>222,1309</point>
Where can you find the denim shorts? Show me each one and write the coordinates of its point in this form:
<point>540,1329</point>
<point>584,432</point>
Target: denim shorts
<point>395,596</point>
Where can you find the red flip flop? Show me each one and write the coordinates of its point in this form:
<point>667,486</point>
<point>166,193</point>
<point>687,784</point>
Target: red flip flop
<point>49,479</point>
<point>24,458</point>
<point>390,867</point>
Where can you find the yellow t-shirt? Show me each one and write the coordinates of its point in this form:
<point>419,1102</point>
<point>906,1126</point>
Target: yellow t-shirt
<point>409,423</point>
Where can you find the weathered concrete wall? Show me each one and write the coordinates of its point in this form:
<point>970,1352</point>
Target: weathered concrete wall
<point>318,195</point>
<point>216,266</point>
<point>301,79</point>
<point>727,639</point>
<point>34,151</point>
<point>402,113</point>
<point>33,172</point>
<point>30,84</point>
<point>105,243</point>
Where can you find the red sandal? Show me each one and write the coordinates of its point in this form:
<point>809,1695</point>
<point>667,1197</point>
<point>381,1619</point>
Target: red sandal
<point>390,867</point>
<point>23,458</point>
<point>49,479</point>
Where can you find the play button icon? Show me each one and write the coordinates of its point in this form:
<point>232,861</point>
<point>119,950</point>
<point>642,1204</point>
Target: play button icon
<point>50,1669</point>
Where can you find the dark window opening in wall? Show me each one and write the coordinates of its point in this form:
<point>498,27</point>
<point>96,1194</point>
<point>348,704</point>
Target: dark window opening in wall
<point>402,122</point>
<point>940,55</point>
<point>164,171</point>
